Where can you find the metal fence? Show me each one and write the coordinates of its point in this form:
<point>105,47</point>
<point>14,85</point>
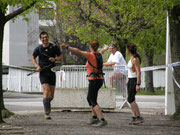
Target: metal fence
<point>17,80</point>
<point>118,81</point>
<point>72,76</point>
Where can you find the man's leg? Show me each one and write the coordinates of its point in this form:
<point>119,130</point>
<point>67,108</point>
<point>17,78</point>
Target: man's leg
<point>124,87</point>
<point>122,79</point>
<point>46,89</point>
<point>51,93</point>
<point>46,99</point>
<point>112,79</point>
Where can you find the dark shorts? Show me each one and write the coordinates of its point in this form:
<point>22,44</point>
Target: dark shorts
<point>47,76</point>
<point>131,89</point>
<point>94,86</point>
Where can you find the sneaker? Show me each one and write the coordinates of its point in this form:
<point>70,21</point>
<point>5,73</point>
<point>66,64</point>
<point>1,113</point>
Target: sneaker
<point>132,121</point>
<point>92,121</point>
<point>47,116</point>
<point>100,123</point>
<point>138,120</point>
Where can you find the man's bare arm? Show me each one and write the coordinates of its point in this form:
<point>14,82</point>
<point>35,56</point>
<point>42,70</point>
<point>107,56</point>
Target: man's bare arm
<point>109,64</point>
<point>35,64</point>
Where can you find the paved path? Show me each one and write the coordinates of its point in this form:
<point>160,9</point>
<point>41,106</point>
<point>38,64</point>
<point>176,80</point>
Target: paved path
<point>29,103</point>
<point>74,123</point>
<point>29,119</point>
<point>20,103</point>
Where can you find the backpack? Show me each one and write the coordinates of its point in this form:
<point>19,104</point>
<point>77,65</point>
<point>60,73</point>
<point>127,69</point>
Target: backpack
<point>99,67</point>
<point>99,60</point>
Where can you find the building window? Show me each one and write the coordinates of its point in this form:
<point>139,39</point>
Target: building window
<point>45,14</point>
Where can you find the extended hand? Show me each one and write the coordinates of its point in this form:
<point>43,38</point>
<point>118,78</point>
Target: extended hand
<point>52,59</point>
<point>106,48</point>
<point>63,45</point>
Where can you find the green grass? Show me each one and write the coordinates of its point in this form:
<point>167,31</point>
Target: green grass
<point>150,93</point>
<point>6,113</point>
<point>176,116</point>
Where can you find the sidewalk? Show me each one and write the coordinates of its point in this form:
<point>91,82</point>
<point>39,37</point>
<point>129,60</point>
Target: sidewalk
<point>74,123</point>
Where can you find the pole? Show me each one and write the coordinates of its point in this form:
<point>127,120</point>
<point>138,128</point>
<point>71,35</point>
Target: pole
<point>169,88</point>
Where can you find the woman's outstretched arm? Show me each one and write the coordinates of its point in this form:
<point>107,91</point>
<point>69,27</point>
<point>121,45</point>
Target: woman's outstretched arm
<point>75,50</point>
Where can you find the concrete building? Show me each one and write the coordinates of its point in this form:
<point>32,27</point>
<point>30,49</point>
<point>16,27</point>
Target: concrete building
<point>20,39</point>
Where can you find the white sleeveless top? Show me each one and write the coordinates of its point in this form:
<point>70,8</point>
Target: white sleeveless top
<point>131,73</point>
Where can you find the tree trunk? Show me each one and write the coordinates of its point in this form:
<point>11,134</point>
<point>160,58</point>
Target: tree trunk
<point>148,61</point>
<point>1,46</point>
<point>122,46</point>
<point>123,51</point>
<point>175,50</point>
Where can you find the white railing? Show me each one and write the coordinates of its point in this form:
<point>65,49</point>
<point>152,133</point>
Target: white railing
<point>74,76</point>
<point>70,76</point>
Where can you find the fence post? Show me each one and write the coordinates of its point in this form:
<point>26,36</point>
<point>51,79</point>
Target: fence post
<point>20,75</point>
<point>169,87</point>
<point>8,79</point>
<point>31,83</point>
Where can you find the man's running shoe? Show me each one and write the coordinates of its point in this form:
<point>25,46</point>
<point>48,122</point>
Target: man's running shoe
<point>47,116</point>
<point>101,123</point>
<point>92,121</point>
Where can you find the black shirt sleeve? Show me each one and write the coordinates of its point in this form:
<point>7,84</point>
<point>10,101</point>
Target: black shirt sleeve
<point>36,52</point>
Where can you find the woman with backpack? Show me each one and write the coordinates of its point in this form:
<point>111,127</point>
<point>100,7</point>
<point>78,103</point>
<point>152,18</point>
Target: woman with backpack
<point>94,66</point>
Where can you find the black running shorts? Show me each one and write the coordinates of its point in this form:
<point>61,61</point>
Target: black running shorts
<point>47,76</point>
<point>131,89</point>
<point>94,86</point>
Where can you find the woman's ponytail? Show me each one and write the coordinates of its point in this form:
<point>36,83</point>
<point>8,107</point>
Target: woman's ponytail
<point>133,49</point>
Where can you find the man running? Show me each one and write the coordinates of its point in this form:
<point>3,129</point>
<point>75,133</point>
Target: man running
<point>47,54</point>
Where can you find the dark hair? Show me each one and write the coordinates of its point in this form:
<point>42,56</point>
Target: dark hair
<point>43,33</point>
<point>94,44</point>
<point>133,49</point>
<point>113,45</point>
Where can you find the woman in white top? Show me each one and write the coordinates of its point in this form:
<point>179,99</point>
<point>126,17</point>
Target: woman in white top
<point>134,82</point>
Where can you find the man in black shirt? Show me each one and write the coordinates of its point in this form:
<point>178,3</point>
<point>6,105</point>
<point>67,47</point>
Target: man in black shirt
<point>47,54</point>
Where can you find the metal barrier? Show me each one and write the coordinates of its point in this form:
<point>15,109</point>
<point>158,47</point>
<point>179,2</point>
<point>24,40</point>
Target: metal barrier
<point>70,76</point>
<point>118,80</point>
<point>74,76</point>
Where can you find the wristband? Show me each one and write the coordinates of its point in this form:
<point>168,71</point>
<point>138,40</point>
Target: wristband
<point>138,84</point>
<point>67,47</point>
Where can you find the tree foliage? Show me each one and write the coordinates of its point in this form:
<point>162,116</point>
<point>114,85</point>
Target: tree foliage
<point>142,22</point>
<point>121,21</point>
